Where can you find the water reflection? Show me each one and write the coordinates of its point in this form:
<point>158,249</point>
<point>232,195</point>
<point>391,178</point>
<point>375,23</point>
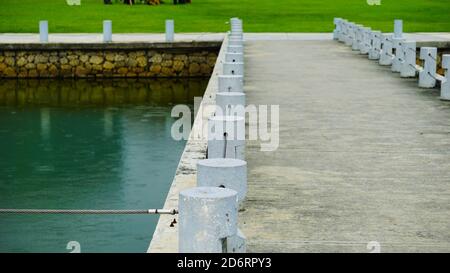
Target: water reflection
<point>100,92</point>
<point>96,156</point>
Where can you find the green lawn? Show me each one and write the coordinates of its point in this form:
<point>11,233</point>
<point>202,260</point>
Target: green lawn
<point>212,15</point>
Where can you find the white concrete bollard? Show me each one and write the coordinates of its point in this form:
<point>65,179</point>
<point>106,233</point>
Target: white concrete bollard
<point>428,74</point>
<point>341,37</point>
<point>207,218</point>
<point>107,31</point>
<point>398,28</point>
<point>235,49</point>
<point>399,55</point>
<point>386,50</point>
<point>226,137</point>
<point>234,57</point>
<point>408,67</point>
<point>233,68</point>
<point>366,40</point>
<point>231,103</point>
<point>231,83</point>
<point>170,31</point>
<point>43,31</point>
<point>337,28</point>
<point>236,36</point>
<point>356,37</point>
<point>349,34</point>
<point>445,84</point>
<point>236,42</point>
<point>374,52</point>
<point>227,173</point>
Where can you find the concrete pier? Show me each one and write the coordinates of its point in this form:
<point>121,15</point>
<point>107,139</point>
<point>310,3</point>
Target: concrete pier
<point>364,155</point>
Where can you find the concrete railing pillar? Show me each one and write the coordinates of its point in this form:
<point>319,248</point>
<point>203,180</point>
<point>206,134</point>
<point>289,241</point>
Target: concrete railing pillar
<point>398,28</point>
<point>231,83</point>
<point>356,37</point>
<point>170,31</point>
<point>233,68</point>
<point>374,52</point>
<point>349,34</point>
<point>337,28</point>
<point>231,103</point>
<point>427,75</point>
<point>234,57</point>
<point>226,137</point>
<point>399,55</point>
<point>386,50</point>
<point>107,31</point>
<point>207,219</point>
<point>445,85</point>
<point>366,42</point>
<point>235,49</point>
<point>43,31</point>
<point>408,67</point>
<point>227,173</point>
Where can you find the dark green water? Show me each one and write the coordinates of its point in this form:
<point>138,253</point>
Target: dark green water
<point>87,155</point>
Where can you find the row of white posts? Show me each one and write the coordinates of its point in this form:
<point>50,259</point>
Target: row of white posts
<point>208,213</point>
<point>395,50</point>
<point>107,31</point>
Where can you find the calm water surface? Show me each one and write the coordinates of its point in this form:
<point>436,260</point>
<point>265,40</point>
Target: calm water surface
<point>87,145</point>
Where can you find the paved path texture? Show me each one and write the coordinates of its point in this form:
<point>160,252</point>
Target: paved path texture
<point>364,155</point>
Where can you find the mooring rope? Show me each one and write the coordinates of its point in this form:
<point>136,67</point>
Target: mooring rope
<point>87,211</point>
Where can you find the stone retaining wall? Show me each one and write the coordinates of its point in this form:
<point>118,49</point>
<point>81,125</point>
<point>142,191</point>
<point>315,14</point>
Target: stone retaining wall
<point>148,60</point>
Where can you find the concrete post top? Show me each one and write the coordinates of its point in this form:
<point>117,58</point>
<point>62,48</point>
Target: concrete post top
<point>222,162</point>
<point>209,193</point>
<point>425,51</point>
<point>236,77</point>
<point>231,94</point>
<point>446,61</point>
<point>226,119</point>
<point>233,63</point>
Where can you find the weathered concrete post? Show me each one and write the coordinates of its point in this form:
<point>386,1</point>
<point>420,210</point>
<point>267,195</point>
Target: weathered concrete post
<point>234,57</point>
<point>235,41</point>
<point>170,31</point>
<point>208,218</point>
<point>408,67</point>
<point>386,50</point>
<point>226,137</point>
<point>337,28</point>
<point>233,68</point>
<point>349,34</point>
<point>374,52</point>
<point>399,55</point>
<point>43,31</point>
<point>107,31</point>
<point>227,173</point>
<point>231,83</point>
<point>355,43</point>
<point>231,103</point>
<point>343,33</point>
<point>398,28</point>
<point>427,75</point>
<point>445,85</point>
<point>235,49</point>
<point>366,43</point>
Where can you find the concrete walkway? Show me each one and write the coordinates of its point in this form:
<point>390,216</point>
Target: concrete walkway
<point>432,38</point>
<point>364,155</point>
